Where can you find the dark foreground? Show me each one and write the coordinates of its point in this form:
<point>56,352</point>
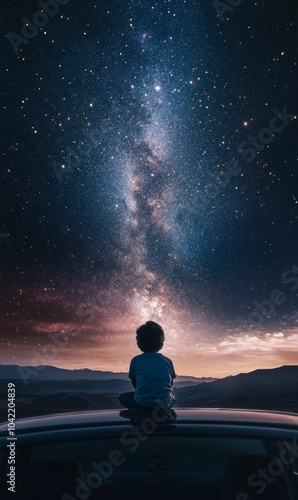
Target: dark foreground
<point>210,454</point>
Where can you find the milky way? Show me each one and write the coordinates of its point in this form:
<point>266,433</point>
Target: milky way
<point>149,171</point>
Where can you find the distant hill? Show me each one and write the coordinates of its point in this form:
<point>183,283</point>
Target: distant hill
<point>191,381</point>
<point>46,387</point>
<point>41,373</point>
<point>274,389</point>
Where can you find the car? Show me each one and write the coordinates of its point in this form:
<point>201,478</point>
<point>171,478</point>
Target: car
<point>197,453</point>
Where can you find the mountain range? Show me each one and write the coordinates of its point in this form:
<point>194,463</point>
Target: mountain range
<point>44,372</point>
<point>272,389</point>
<point>46,389</point>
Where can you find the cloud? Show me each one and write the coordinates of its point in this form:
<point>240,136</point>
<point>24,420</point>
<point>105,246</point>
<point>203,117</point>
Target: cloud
<point>238,353</point>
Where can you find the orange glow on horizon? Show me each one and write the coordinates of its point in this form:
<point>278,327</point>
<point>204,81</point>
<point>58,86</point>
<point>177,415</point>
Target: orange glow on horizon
<point>231,355</point>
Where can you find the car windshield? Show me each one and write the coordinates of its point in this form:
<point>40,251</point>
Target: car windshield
<point>149,206</point>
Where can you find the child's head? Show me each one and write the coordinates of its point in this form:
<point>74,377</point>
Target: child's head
<point>150,337</point>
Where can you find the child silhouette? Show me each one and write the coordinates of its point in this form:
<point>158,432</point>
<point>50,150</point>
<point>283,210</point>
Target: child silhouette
<point>151,373</point>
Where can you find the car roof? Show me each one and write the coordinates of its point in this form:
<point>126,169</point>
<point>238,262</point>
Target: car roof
<point>193,416</point>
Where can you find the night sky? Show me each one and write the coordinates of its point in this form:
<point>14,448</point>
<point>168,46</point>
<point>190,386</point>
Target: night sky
<point>149,171</point>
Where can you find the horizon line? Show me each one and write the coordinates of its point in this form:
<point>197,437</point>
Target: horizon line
<point>125,373</point>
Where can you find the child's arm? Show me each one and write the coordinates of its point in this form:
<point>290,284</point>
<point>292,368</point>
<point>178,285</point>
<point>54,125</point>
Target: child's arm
<point>132,375</point>
<point>173,374</point>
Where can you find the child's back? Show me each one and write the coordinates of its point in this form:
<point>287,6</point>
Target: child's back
<point>151,373</point>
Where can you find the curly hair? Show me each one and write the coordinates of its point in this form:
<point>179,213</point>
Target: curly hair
<point>150,337</point>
